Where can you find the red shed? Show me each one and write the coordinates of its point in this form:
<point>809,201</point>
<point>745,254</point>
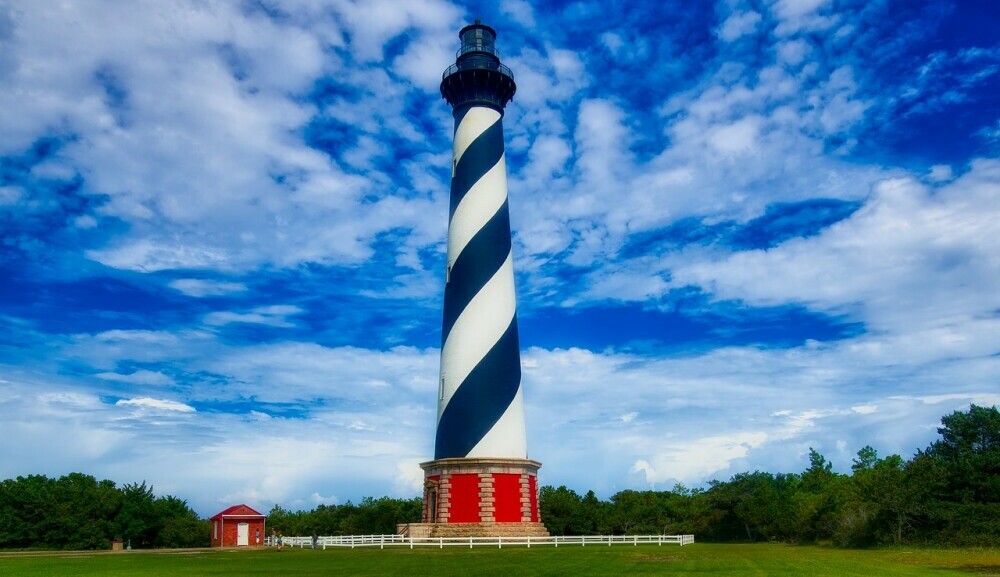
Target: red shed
<point>238,526</point>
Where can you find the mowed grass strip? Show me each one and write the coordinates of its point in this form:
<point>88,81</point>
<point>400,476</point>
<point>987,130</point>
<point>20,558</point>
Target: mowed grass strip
<point>700,559</point>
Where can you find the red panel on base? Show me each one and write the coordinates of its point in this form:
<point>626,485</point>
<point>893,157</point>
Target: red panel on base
<point>464,497</point>
<point>507,497</point>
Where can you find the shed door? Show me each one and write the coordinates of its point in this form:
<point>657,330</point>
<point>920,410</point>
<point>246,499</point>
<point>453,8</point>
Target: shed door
<point>242,534</point>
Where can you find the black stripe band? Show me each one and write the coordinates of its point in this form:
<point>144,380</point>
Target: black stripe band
<point>481,155</point>
<point>481,399</point>
<point>475,266</point>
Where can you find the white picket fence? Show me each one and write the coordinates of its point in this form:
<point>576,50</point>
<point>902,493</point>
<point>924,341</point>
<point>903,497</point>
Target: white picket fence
<point>382,541</point>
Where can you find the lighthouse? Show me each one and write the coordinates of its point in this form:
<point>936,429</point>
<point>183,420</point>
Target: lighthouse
<point>481,481</point>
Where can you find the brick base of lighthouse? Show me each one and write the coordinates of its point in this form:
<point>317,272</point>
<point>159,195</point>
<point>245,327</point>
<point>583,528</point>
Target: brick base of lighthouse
<point>480,498</point>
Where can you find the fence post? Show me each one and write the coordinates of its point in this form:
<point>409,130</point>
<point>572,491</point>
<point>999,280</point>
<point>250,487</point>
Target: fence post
<point>529,542</point>
<point>470,542</point>
<point>635,540</point>
<point>411,541</point>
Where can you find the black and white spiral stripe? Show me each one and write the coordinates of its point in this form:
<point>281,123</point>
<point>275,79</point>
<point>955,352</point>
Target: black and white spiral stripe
<point>480,408</point>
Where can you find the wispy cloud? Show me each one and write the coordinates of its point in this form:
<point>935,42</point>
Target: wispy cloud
<point>155,404</point>
<point>141,377</point>
<point>273,315</point>
<point>205,288</point>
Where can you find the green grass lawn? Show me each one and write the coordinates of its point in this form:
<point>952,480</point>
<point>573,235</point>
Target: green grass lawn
<point>698,559</point>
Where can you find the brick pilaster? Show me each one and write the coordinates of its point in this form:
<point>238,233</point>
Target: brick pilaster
<point>444,498</point>
<point>525,498</point>
<point>486,498</point>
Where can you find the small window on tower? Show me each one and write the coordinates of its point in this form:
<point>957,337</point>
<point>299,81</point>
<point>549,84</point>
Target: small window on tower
<point>441,390</point>
<point>447,274</point>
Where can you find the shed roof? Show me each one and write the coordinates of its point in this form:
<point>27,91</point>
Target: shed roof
<point>237,511</point>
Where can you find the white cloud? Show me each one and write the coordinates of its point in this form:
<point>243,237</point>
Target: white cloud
<point>797,8</point>
<point>300,371</point>
<point>738,137</point>
<point>983,399</point>
<point>613,42</point>
<point>150,256</point>
<point>373,23</point>
<point>802,16</point>
<point>554,76</point>
<point>907,261</point>
<point>697,458</point>
<point>85,221</point>
<point>713,414</point>
<point>940,172</point>
<point>738,25</point>
<point>369,415</point>
<point>155,404</point>
<point>323,500</point>
<point>194,287</point>
<point>140,377</point>
<point>409,477</point>
<point>519,11</point>
<point>10,195</point>
<point>793,52</point>
<point>199,149</point>
<point>273,315</point>
<point>202,457</point>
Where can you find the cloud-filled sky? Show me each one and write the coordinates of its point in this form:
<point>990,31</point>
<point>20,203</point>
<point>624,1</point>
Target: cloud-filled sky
<point>741,230</point>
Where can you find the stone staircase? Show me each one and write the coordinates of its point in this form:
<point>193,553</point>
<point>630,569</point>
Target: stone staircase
<point>460,530</point>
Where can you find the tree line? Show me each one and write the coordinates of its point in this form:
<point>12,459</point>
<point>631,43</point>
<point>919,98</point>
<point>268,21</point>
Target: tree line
<point>77,511</point>
<point>369,517</point>
<point>946,494</point>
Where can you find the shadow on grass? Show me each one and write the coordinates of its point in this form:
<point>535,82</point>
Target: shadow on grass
<point>978,569</point>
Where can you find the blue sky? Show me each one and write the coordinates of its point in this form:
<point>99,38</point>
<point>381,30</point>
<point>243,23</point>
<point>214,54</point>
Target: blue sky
<point>741,229</point>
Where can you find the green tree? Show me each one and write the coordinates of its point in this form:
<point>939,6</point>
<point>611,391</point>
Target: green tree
<point>24,511</point>
<point>819,474</point>
<point>866,459</point>
<point>283,521</point>
<point>691,512</point>
<point>559,509</point>
<point>960,476</point>
<point>178,525</point>
<point>887,495</point>
<point>820,500</point>
<point>80,516</point>
<point>969,449</point>
<point>754,506</point>
<point>590,517</point>
<point>137,521</point>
